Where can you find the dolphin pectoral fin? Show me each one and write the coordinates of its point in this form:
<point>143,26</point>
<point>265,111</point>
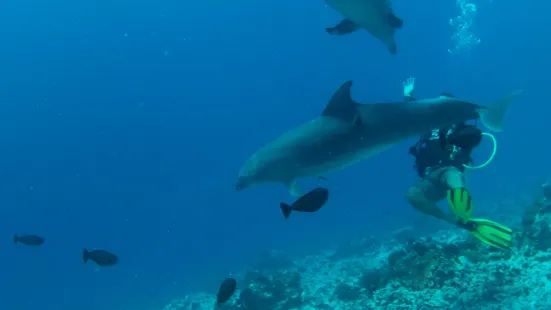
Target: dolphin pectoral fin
<point>341,105</point>
<point>394,21</point>
<point>392,48</point>
<point>492,117</point>
<point>346,26</point>
<point>293,189</point>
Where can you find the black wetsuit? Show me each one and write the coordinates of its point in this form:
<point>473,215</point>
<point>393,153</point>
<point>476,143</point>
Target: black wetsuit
<point>440,148</point>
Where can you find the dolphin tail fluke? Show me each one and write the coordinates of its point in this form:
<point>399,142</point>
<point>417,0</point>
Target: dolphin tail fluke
<point>285,209</point>
<point>493,116</point>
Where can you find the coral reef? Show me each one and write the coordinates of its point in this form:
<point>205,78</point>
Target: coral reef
<point>448,270</point>
<point>278,290</point>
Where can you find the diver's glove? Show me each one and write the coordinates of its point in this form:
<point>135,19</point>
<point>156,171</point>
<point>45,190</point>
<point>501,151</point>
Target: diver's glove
<point>409,86</point>
<point>491,233</point>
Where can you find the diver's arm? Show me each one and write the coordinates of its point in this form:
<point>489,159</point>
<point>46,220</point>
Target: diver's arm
<point>409,86</point>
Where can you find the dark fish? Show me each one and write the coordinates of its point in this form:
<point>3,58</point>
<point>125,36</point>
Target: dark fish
<point>226,290</point>
<point>310,202</point>
<point>32,240</point>
<point>100,257</point>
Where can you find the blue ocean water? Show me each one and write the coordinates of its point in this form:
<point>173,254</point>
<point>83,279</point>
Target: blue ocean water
<point>124,124</point>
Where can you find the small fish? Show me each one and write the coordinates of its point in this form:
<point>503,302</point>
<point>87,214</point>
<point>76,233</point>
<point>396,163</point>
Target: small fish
<point>33,240</point>
<point>226,290</point>
<point>100,257</point>
<point>310,202</point>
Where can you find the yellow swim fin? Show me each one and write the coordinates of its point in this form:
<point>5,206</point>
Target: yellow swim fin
<point>461,203</point>
<point>491,233</point>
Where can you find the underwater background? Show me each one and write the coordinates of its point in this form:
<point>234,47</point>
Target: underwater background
<point>124,125</point>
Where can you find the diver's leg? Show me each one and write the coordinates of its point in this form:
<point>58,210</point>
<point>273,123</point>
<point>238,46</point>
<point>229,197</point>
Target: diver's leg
<point>452,178</point>
<point>423,197</point>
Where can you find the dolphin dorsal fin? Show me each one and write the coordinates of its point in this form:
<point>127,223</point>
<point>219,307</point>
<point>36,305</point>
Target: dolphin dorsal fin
<point>341,105</point>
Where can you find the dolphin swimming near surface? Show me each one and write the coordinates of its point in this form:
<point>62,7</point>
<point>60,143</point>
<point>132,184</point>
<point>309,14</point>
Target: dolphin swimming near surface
<point>375,16</point>
<point>347,132</point>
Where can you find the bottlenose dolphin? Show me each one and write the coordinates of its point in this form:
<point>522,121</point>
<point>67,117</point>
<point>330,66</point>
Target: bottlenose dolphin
<point>348,132</point>
<point>375,16</point>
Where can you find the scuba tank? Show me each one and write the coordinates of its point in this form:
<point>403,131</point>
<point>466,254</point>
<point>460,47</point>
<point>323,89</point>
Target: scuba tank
<point>463,136</point>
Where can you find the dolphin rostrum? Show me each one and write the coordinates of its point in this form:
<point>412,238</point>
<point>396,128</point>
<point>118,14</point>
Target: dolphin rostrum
<point>375,16</point>
<point>348,132</point>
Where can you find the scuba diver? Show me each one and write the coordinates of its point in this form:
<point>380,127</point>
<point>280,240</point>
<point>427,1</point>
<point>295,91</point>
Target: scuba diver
<point>441,157</point>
